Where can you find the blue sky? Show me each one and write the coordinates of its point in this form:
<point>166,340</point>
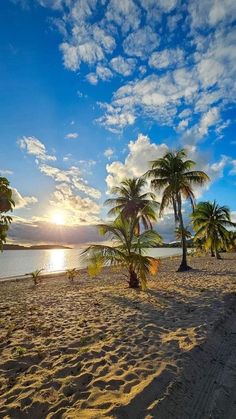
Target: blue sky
<point>93,90</point>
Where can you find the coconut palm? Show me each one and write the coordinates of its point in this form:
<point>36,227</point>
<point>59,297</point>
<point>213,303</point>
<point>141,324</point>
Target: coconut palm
<point>36,276</point>
<point>173,175</point>
<point>128,251</point>
<point>6,204</point>
<point>132,202</point>
<point>210,222</point>
<point>231,245</point>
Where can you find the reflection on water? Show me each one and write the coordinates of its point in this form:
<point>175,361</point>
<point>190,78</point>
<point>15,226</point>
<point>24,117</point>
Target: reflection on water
<point>57,260</point>
<point>20,262</point>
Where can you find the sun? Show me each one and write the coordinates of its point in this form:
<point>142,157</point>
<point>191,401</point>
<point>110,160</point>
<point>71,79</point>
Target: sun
<point>58,218</point>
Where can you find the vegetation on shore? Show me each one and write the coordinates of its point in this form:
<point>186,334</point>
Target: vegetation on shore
<point>6,204</point>
<point>135,210</point>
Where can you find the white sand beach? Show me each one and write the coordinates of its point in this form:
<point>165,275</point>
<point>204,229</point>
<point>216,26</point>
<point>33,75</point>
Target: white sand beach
<point>97,349</point>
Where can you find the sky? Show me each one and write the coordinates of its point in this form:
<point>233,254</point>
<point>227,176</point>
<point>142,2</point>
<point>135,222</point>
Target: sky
<point>92,90</point>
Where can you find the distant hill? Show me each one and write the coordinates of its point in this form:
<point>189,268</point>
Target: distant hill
<point>34,247</point>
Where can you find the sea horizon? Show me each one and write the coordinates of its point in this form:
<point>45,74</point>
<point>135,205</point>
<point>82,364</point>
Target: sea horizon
<point>17,263</point>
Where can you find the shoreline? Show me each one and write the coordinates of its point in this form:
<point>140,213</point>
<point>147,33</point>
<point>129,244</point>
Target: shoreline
<point>52,274</point>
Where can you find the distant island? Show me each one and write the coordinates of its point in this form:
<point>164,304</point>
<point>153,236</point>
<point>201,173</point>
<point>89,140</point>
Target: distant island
<point>34,247</point>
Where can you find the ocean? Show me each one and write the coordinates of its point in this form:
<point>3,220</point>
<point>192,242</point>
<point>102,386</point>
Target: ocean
<point>20,262</point>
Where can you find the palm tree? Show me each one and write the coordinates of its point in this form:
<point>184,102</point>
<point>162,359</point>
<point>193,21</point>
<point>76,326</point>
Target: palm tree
<point>232,241</point>
<point>6,204</point>
<point>132,203</point>
<point>36,276</point>
<point>173,174</point>
<point>210,222</point>
<point>128,251</point>
<point>72,273</point>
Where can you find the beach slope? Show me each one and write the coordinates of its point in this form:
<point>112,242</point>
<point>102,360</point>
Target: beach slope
<point>97,349</point>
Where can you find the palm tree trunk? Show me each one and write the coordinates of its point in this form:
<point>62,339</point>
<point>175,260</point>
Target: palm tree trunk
<point>175,210</point>
<point>183,265</point>
<point>217,254</point>
<point>212,252</point>
<point>133,279</point>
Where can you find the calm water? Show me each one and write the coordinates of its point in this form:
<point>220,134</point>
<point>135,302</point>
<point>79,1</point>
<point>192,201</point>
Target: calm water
<point>21,262</point>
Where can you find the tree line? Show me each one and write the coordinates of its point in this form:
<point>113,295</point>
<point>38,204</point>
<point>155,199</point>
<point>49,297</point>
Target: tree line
<point>135,211</point>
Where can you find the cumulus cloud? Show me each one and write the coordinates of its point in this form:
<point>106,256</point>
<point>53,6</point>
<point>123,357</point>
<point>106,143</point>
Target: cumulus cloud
<point>116,118</point>
<point>22,201</point>
<point>108,153</point>
<point>35,147</point>
<point>124,66</point>
<point>101,73</point>
<point>71,176</point>
<point>166,58</point>
<point>200,130</point>
<point>141,42</point>
<point>125,13</point>
<point>209,13</point>
<point>140,152</point>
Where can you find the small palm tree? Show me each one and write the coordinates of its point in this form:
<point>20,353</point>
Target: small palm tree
<point>71,274</point>
<point>173,174</point>
<point>128,251</point>
<point>132,203</point>
<point>6,204</point>
<point>36,276</point>
<point>231,245</point>
<point>210,222</point>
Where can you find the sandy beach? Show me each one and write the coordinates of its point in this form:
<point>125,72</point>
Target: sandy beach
<point>97,349</point>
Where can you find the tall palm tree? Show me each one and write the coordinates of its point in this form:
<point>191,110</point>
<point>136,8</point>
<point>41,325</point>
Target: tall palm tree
<point>6,204</point>
<point>174,176</point>
<point>132,203</point>
<point>128,251</point>
<point>210,222</point>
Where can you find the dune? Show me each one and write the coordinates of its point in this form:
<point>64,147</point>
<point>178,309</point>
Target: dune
<point>97,349</point>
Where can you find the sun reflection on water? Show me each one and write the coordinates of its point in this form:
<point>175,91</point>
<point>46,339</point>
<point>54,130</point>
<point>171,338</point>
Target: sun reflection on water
<point>57,260</point>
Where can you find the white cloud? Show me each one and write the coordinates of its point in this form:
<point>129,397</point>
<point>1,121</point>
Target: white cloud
<point>102,73</point>
<point>72,176</point>
<point>72,135</point>
<point>166,58</point>
<point>5,172</point>
<point>136,163</point>
<point>233,170</point>
<point>200,130</point>
<point>125,13</point>
<point>209,13</point>
<point>22,201</point>
<point>141,42</point>
<point>142,151</point>
<point>35,147</point>
<point>124,66</point>
<point>87,43</point>
<point>116,118</point>
<point>108,153</point>
<point>155,97</point>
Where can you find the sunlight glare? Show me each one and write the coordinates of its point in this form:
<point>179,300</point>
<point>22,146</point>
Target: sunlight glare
<point>58,218</point>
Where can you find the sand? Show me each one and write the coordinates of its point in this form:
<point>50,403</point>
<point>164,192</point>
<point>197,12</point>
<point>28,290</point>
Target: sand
<point>97,349</point>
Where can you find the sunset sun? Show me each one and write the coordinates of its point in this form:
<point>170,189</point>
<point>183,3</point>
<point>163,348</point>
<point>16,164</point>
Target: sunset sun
<point>58,218</point>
